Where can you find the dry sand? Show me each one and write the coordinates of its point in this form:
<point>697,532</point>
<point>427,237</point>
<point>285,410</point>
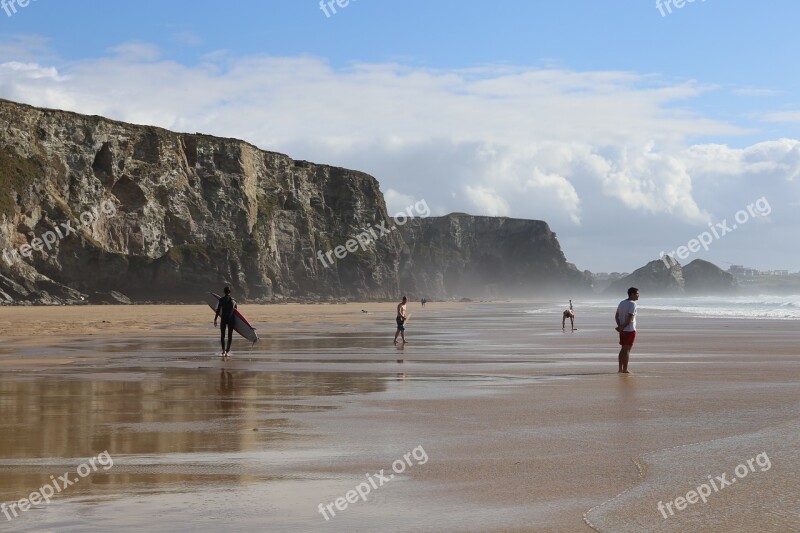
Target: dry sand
<point>525,427</point>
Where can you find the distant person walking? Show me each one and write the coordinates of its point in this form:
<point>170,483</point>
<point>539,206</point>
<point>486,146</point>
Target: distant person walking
<point>569,313</point>
<point>225,309</point>
<point>402,316</point>
<point>626,326</point>
<point>423,302</point>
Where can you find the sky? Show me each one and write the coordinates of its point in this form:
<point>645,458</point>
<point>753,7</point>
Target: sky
<point>632,129</point>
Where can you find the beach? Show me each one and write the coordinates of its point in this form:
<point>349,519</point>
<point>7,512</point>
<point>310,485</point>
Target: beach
<point>500,420</point>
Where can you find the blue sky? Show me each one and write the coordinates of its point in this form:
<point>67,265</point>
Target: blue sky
<point>586,114</point>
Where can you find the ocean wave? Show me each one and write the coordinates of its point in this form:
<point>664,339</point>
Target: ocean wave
<point>760,306</point>
<point>549,310</point>
<point>754,306</point>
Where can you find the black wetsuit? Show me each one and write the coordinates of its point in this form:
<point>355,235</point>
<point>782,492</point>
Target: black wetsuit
<point>225,310</point>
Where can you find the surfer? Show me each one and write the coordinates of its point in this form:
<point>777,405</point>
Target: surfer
<point>626,325</point>
<point>402,316</point>
<point>569,313</point>
<point>225,309</point>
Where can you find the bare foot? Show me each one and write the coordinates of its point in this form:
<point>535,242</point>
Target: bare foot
<point>405,342</point>
<point>625,372</point>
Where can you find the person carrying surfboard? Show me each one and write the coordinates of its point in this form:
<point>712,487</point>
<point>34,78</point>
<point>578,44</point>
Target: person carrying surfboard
<point>225,311</point>
<point>402,316</point>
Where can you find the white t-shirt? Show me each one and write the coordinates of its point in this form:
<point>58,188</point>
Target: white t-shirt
<point>625,308</point>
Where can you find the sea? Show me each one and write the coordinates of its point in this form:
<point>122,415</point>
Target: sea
<point>763,306</point>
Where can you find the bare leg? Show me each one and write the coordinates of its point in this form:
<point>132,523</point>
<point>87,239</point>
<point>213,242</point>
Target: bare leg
<point>396,333</point>
<point>624,356</point>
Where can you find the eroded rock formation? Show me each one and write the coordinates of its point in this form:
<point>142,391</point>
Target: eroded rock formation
<point>144,213</point>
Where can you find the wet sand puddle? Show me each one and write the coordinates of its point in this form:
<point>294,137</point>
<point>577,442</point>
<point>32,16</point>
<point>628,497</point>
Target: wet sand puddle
<point>255,442</point>
<point>176,418</point>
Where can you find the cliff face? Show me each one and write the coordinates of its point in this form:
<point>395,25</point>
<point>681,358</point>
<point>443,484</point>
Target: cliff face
<point>96,209</point>
<point>703,277</point>
<point>486,257</point>
<point>657,279</point>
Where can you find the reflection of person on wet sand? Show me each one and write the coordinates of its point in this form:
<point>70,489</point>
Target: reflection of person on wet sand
<point>402,316</point>
<point>569,313</point>
<point>227,392</point>
<point>225,382</point>
<point>401,376</point>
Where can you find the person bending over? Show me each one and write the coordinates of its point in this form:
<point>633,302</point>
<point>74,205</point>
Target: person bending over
<point>569,313</point>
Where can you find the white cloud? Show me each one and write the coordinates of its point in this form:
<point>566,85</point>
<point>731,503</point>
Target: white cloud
<point>486,202</point>
<point>772,160</point>
<point>25,48</point>
<point>31,71</point>
<point>578,149</point>
<point>782,116</point>
<point>560,188</point>
<point>396,201</point>
<point>653,182</point>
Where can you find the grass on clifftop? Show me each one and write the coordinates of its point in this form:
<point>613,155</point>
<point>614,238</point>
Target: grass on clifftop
<point>16,173</point>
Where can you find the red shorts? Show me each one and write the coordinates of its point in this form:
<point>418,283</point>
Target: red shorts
<point>626,338</point>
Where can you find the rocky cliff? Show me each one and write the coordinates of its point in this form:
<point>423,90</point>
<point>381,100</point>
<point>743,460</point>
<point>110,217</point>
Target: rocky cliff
<point>486,257</point>
<point>703,277</point>
<point>667,277</point>
<point>97,210</point>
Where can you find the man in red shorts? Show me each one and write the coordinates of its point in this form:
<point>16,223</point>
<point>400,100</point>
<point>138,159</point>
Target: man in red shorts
<point>626,325</point>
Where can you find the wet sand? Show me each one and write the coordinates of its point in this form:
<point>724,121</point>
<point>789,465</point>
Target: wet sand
<point>525,427</point>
